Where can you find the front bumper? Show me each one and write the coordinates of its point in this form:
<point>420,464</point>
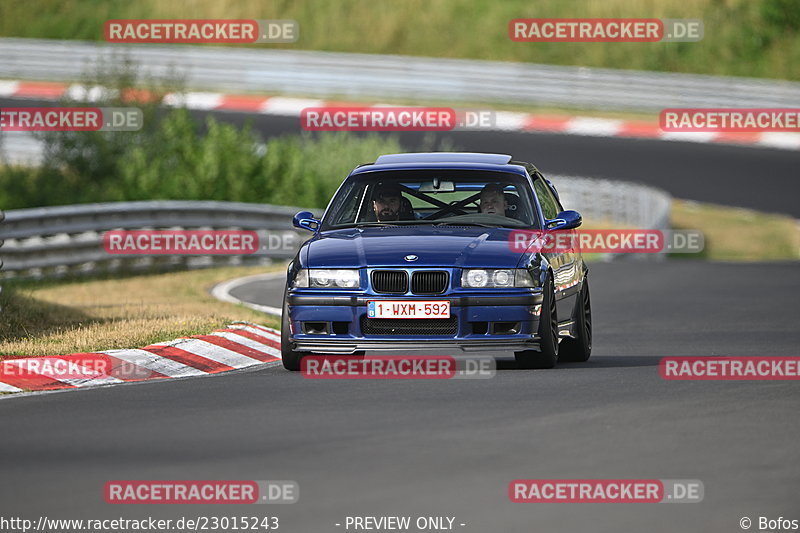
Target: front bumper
<point>337,346</point>
<point>344,314</point>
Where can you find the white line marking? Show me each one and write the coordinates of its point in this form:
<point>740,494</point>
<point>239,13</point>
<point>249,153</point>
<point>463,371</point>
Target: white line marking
<point>780,139</point>
<point>600,127</point>
<point>8,88</point>
<point>689,136</point>
<point>256,331</point>
<point>272,331</point>
<point>269,350</point>
<point>90,381</point>
<point>153,362</point>
<point>509,121</point>
<point>194,100</point>
<point>8,388</point>
<point>85,93</point>
<point>222,291</point>
<point>288,106</point>
<point>215,353</point>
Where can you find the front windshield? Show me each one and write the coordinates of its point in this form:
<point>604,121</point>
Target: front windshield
<point>433,197</point>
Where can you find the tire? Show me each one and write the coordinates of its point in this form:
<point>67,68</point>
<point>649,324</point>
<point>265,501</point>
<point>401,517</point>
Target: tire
<point>547,356</point>
<point>291,359</point>
<point>579,349</point>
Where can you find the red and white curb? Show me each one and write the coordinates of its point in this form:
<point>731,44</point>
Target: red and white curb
<point>505,120</point>
<point>240,345</point>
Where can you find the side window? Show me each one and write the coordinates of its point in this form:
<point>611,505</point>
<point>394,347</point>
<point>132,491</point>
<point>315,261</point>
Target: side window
<point>546,199</point>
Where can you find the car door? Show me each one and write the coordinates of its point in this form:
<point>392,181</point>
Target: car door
<point>564,262</point>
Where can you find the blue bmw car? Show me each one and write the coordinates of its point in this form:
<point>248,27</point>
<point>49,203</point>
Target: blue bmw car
<point>421,251</point>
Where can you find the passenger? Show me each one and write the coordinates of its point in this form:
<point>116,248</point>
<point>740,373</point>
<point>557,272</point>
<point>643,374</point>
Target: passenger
<point>493,201</point>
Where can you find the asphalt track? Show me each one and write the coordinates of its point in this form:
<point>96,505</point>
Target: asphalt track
<point>450,448</point>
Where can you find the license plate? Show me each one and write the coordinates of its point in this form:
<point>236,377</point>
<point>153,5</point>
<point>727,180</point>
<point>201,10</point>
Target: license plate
<point>408,309</point>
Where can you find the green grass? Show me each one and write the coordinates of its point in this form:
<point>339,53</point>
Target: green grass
<point>757,38</point>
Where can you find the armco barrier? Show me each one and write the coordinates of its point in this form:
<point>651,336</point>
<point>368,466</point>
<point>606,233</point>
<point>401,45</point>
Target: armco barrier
<point>66,240</point>
<point>616,202</point>
<point>56,241</point>
<point>340,75</point>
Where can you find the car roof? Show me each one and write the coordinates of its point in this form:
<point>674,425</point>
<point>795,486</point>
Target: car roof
<point>444,157</point>
<point>442,160</point>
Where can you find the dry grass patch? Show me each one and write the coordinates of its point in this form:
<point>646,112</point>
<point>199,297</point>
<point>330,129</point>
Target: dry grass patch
<point>89,315</point>
<point>735,234</point>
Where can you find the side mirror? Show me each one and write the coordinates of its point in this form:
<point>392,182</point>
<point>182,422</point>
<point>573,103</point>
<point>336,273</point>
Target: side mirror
<point>565,220</point>
<point>305,220</point>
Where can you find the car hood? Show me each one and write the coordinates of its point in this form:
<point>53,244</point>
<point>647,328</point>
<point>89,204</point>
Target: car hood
<point>448,246</point>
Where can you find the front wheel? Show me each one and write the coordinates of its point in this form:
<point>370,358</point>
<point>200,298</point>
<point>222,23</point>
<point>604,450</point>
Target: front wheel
<point>579,349</point>
<point>547,356</point>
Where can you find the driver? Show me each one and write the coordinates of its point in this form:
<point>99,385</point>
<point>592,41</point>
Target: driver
<point>388,203</point>
<point>493,201</point>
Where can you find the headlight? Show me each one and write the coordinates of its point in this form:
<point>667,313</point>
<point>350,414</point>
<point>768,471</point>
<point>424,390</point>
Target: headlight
<point>474,278</point>
<point>477,278</point>
<point>324,278</point>
<point>301,279</point>
<point>501,278</point>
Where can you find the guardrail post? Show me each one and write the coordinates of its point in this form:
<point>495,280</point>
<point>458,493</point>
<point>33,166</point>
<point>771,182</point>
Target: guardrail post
<point>2,217</point>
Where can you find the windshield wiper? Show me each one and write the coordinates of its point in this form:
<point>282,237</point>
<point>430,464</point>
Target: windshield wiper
<point>465,224</point>
<point>389,224</point>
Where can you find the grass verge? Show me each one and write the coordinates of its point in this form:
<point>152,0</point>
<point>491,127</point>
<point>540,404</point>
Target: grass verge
<point>731,233</point>
<point>50,318</point>
<point>736,234</point>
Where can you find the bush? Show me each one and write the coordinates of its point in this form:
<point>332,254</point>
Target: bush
<point>181,163</point>
<point>174,157</point>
